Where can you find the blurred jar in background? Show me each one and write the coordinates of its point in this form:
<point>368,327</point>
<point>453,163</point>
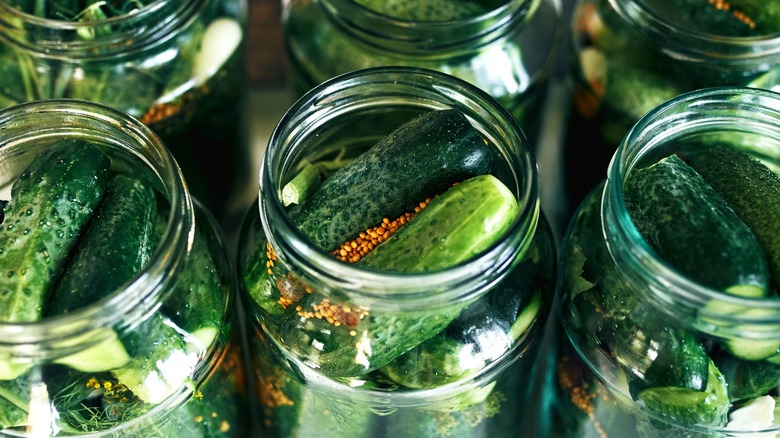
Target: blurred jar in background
<point>505,47</point>
<point>176,65</point>
<point>631,55</point>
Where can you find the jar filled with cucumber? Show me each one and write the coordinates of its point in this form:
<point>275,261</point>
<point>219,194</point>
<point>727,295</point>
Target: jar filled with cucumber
<point>629,56</point>
<point>505,47</point>
<point>116,292</point>
<point>670,274</point>
<point>175,65</point>
<point>398,272</point>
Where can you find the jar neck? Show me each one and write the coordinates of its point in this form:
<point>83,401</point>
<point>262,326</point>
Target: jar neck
<point>149,25</point>
<point>731,113</point>
<point>679,40</point>
<point>374,92</point>
<point>431,37</point>
<point>30,128</point>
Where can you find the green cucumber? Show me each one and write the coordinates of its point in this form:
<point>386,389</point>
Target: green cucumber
<point>455,227</point>
<point>466,219</point>
<point>115,247</point>
<point>198,304</point>
<point>444,359</point>
<point>748,379</point>
<point>421,158</point>
<point>687,406</point>
<point>691,227</point>
<point>751,189</point>
<point>50,203</point>
<point>161,363</point>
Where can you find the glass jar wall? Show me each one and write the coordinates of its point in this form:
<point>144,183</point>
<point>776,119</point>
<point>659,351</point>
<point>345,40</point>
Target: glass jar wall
<point>407,347</point>
<point>669,278</point>
<point>175,65</point>
<point>116,311</point>
<point>506,48</point>
<point>628,56</point>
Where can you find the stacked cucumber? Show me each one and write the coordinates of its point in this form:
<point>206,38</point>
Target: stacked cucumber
<point>74,234</point>
<point>712,215</point>
<point>439,157</point>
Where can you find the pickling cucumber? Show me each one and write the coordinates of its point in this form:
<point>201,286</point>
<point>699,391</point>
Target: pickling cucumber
<point>421,158</point>
<point>687,406</point>
<point>692,228</point>
<point>197,304</point>
<point>50,203</point>
<point>115,247</point>
<point>752,191</point>
<point>454,226</point>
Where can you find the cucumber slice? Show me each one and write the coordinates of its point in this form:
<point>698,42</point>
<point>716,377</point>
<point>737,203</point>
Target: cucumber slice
<point>685,406</point>
<point>454,227</point>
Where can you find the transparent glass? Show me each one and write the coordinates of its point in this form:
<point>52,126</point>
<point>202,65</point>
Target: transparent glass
<point>651,347</point>
<point>628,56</point>
<point>506,48</point>
<point>344,372</point>
<point>157,356</point>
<point>178,66</point>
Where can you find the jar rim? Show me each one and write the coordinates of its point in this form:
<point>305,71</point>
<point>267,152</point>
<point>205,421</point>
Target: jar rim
<point>703,109</point>
<point>395,290</point>
<point>152,24</point>
<point>686,43</point>
<point>125,308</point>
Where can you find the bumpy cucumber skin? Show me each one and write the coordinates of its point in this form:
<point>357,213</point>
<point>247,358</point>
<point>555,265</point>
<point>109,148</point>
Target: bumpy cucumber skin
<point>692,227</point>
<point>50,203</point>
<point>422,157</point>
<point>689,407</point>
<point>198,301</point>
<point>452,228</point>
<point>751,189</point>
<point>115,247</point>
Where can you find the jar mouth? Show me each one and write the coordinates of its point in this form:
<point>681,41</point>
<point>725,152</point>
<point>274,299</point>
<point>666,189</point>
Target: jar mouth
<point>125,308</point>
<point>151,24</point>
<point>716,109</point>
<point>423,90</point>
<point>428,37</point>
<point>686,42</point>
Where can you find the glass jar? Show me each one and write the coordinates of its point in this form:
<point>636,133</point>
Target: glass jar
<point>660,343</point>
<point>631,55</point>
<point>175,65</point>
<point>506,48</point>
<point>150,353</point>
<point>365,361</point>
